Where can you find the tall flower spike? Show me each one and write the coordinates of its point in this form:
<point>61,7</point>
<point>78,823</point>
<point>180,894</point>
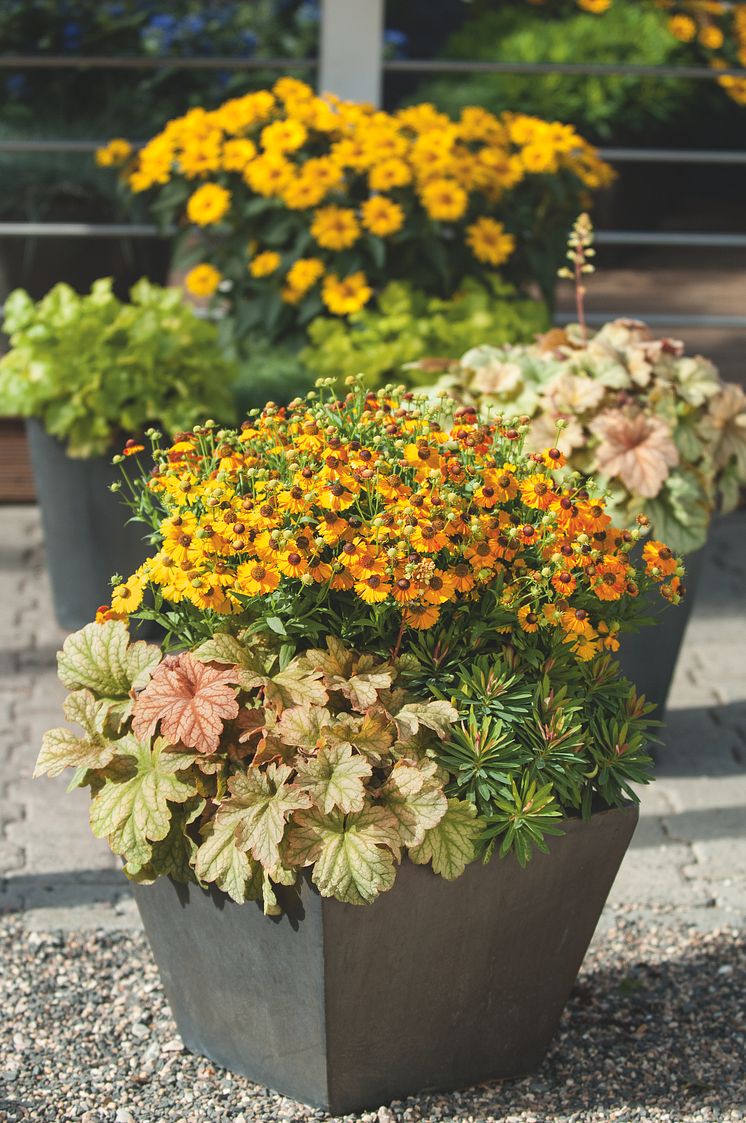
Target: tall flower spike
<point>579,251</point>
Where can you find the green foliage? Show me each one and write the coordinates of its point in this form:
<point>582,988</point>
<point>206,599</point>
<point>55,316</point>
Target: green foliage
<point>600,388</point>
<point>407,325</point>
<point>337,762</point>
<point>601,106</point>
<point>324,761</point>
<point>93,369</point>
<point>267,371</point>
<point>570,736</point>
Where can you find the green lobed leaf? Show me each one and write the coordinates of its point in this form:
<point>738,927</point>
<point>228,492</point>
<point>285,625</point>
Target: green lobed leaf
<point>174,855</point>
<point>101,658</point>
<point>221,861</point>
<point>352,856</point>
<point>437,716</point>
<point>335,778</point>
<point>303,726</point>
<point>370,734</point>
<point>451,845</point>
<point>262,802</point>
<point>133,811</point>
<point>415,798</point>
<point>86,711</point>
<point>62,748</point>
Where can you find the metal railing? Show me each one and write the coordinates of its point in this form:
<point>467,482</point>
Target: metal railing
<point>683,239</point>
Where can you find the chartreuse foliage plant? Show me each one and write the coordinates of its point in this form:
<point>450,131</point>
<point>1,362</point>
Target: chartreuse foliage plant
<point>295,206</point>
<point>92,368</point>
<point>389,632</point>
<point>406,325</point>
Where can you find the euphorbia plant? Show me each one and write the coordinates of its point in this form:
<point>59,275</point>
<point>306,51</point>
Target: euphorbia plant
<point>388,631</point>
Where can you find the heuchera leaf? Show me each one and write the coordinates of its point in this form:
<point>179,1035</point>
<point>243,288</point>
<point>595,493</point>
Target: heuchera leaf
<point>335,662</point>
<point>415,798</point>
<point>295,686</point>
<point>251,660</point>
<point>86,711</point>
<point>261,803</point>
<point>302,726</point>
<point>61,749</point>
<point>372,734</point>
<point>220,860</point>
<point>438,716</point>
<point>353,854</point>
<point>133,812</point>
<point>101,659</point>
<point>450,846</point>
<point>335,778</point>
<point>359,679</point>
<point>190,699</point>
<point>174,855</point>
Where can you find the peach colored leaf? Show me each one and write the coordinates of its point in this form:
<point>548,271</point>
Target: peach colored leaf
<point>190,699</point>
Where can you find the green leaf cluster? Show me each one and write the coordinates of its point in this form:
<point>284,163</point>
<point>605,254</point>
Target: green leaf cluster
<point>329,765</point>
<point>93,369</point>
<point>603,106</point>
<point>407,325</point>
<point>541,738</point>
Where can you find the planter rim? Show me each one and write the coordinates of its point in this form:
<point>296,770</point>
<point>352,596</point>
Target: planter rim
<point>570,824</point>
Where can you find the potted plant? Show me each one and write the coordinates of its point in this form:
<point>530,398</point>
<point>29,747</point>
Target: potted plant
<point>656,429</point>
<point>85,371</point>
<point>307,207</point>
<point>386,681</point>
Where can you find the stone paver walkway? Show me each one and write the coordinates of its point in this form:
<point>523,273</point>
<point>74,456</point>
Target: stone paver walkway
<point>687,862</point>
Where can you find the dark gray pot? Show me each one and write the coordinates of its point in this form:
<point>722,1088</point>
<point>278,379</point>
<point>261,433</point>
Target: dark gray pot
<point>86,532</point>
<point>436,985</point>
<point>649,657</point>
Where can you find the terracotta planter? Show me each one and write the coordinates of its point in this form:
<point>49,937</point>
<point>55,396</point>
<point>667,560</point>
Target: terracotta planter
<point>436,985</point>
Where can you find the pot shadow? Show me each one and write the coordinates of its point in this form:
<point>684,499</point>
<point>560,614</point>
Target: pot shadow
<point>665,1034</point>
<point>703,741</point>
<point>62,889</point>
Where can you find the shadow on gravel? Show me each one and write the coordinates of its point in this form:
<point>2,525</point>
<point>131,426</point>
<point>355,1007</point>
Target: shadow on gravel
<point>654,1030</point>
<point>61,890</point>
<point>666,1035</point>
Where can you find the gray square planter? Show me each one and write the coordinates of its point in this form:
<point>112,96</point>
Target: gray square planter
<point>437,985</point>
<point>87,533</point>
<point>649,657</point>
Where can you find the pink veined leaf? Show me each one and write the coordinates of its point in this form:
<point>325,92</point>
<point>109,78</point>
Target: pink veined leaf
<point>190,699</point>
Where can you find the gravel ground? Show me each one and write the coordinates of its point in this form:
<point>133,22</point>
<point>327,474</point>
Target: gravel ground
<point>655,1031</point>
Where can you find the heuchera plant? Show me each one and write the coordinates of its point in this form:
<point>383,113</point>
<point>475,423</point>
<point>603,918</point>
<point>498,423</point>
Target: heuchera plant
<point>657,429</point>
<point>388,632</point>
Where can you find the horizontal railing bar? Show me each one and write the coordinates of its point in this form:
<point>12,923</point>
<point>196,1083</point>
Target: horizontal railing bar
<point>610,69</point>
<point>655,238</point>
<point>666,156</point>
<point>659,319</point>
<point>52,145</point>
<point>653,319</point>
<point>147,230</point>
<point>435,66</point>
<point>143,62</point>
<point>618,155</point>
<point>81,230</point>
